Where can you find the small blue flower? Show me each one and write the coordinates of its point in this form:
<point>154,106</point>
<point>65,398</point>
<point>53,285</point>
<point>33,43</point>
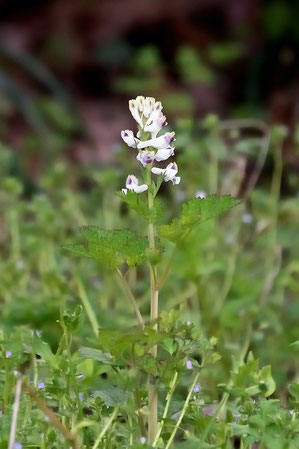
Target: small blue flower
<point>8,354</point>
<point>188,323</point>
<point>17,446</point>
<point>196,389</point>
<point>247,218</point>
<point>80,376</point>
<point>16,372</point>
<point>79,396</point>
<point>291,412</point>
<point>189,364</point>
<point>143,440</point>
<point>41,385</point>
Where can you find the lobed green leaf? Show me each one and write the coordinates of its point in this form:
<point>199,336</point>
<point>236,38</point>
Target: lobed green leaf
<point>195,212</point>
<point>111,248</point>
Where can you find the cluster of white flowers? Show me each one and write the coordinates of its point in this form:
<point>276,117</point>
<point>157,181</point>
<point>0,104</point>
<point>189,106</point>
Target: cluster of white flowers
<point>150,119</point>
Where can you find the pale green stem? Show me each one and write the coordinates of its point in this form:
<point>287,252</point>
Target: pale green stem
<point>178,423</point>
<point>105,428</point>
<point>168,400</point>
<point>15,412</point>
<point>131,297</point>
<point>152,389</point>
<point>35,370</point>
<point>86,304</point>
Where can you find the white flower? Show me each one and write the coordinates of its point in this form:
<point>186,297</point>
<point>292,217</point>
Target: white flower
<point>141,109</point>
<point>132,184</point>
<point>148,106</point>
<point>128,137</point>
<point>155,122</point>
<point>159,142</point>
<point>200,194</point>
<point>169,173</point>
<point>145,157</point>
<point>136,108</point>
<point>164,154</point>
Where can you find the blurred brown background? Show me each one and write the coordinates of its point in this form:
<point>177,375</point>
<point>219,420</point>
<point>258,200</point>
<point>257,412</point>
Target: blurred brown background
<point>67,68</point>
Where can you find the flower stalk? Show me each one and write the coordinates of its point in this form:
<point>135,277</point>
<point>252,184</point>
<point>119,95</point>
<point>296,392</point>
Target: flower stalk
<point>152,389</point>
<point>151,148</point>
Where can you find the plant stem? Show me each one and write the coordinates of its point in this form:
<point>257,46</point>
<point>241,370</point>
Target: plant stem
<point>178,423</point>
<point>130,296</point>
<point>152,389</point>
<point>168,399</point>
<point>15,412</point>
<point>53,418</point>
<point>86,304</point>
<point>164,276</point>
<point>106,427</point>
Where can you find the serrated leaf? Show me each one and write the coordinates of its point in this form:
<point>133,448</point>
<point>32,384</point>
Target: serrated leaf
<point>95,354</point>
<point>137,203</point>
<point>195,212</point>
<point>112,248</point>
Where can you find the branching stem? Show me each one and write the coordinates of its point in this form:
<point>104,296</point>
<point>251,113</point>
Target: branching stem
<point>130,296</point>
<point>178,423</point>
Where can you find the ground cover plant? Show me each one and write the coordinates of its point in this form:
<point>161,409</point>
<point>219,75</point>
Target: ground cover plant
<point>158,325</point>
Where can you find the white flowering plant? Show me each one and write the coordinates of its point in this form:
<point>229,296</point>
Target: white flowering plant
<point>154,375</point>
<point>160,348</point>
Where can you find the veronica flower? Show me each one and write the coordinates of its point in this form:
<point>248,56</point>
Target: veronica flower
<point>196,389</point>
<point>142,440</point>
<point>169,173</point>
<point>8,354</point>
<point>247,218</point>
<point>41,385</point>
<point>17,446</point>
<point>189,364</point>
<point>132,184</point>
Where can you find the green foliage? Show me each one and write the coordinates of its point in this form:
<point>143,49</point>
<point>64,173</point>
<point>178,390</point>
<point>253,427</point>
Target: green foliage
<point>195,212</point>
<point>111,248</point>
<point>95,354</point>
<point>213,288</point>
<point>193,68</point>
<point>137,203</point>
